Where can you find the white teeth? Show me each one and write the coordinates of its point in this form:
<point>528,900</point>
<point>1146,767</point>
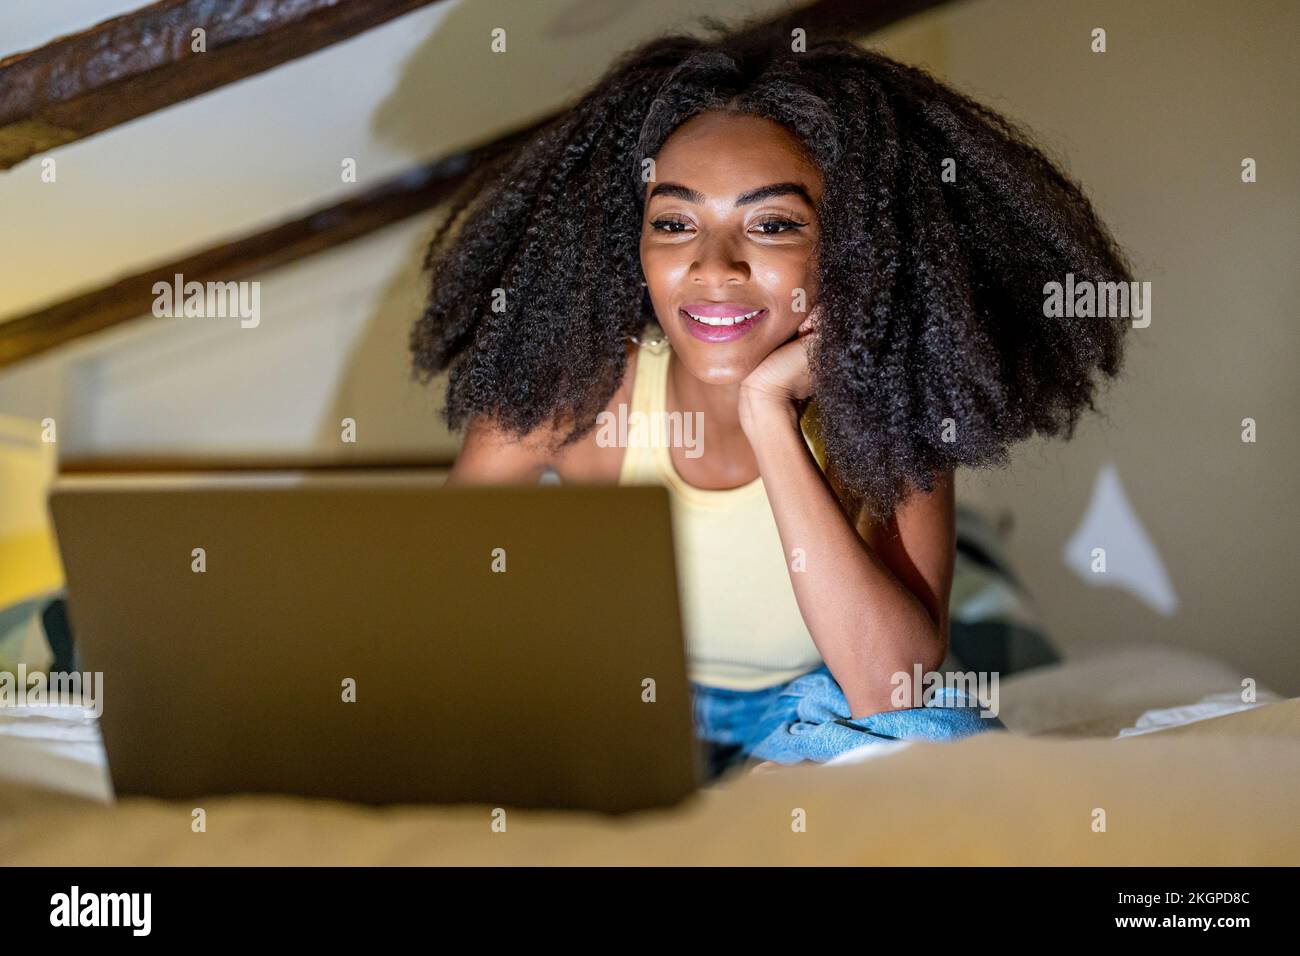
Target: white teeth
<point>723,320</point>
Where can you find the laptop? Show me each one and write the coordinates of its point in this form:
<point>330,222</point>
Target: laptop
<point>370,635</point>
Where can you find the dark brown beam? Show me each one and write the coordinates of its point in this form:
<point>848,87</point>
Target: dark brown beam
<point>143,61</point>
<point>852,18</point>
<point>131,297</point>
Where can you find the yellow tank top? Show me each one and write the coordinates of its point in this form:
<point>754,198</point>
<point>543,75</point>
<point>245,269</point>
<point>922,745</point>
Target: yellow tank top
<point>743,627</point>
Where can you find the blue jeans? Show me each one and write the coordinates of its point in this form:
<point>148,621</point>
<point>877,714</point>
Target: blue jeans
<point>809,719</point>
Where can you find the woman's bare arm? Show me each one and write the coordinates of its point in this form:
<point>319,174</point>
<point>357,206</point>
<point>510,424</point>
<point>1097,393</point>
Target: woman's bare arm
<point>875,599</point>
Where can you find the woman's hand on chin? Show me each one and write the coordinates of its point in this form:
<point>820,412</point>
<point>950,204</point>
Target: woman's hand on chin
<point>780,382</point>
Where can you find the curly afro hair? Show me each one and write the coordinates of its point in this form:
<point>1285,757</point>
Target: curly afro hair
<point>932,349</point>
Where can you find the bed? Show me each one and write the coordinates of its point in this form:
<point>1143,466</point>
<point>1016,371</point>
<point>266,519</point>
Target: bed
<point>1120,755</point>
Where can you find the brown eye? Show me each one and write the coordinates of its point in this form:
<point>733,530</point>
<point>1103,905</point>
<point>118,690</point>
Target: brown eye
<point>778,226</point>
<point>669,225</point>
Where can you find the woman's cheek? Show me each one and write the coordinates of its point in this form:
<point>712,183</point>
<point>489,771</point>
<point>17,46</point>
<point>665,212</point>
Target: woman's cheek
<point>662,268</point>
<point>788,289</point>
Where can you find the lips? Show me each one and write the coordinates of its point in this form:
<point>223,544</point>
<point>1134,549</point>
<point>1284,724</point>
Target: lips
<point>720,321</point>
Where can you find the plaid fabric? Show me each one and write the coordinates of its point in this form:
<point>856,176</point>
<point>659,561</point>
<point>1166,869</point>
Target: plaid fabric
<point>994,624</point>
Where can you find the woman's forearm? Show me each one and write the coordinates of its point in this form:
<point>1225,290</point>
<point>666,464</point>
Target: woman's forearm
<point>866,623</point>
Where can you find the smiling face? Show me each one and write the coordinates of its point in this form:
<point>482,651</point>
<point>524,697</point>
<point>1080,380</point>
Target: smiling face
<point>728,234</point>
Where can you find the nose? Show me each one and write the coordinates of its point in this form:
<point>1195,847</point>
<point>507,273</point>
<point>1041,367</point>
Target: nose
<point>717,265</point>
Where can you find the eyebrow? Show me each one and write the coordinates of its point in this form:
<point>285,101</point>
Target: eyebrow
<point>754,195</point>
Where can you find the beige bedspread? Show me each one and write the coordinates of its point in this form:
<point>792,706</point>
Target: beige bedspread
<point>1221,791</point>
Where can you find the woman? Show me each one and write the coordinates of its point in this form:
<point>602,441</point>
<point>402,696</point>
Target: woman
<point>836,265</point>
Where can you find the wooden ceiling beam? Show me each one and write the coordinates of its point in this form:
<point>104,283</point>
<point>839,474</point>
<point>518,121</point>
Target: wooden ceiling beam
<point>132,297</point>
<point>146,60</point>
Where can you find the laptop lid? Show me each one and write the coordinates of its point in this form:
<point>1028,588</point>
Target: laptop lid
<point>374,636</point>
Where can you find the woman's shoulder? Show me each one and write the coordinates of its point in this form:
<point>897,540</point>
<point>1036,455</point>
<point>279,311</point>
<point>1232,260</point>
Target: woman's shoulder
<point>495,454</point>
<point>591,458</point>
<point>545,445</point>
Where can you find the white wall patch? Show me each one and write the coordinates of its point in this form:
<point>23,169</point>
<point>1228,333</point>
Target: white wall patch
<point>1112,548</point>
